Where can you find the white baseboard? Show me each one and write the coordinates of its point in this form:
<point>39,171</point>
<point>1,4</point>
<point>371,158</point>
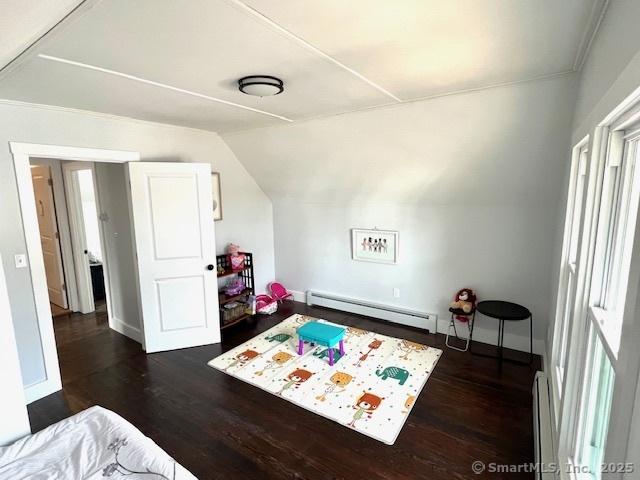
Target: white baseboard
<point>480,334</point>
<point>39,390</point>
<point>299,296</point>
<point>125,329</point>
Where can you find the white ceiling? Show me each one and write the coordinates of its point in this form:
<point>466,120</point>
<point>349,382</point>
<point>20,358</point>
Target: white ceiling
<point>177,61</point>
<point>24,21</point>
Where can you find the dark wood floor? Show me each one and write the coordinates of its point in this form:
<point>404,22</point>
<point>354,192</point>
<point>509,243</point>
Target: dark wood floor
<point>221,427</point>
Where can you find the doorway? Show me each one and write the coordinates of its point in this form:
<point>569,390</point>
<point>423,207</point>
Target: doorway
<point>71,234</point>
<point>66,202</point>
<point>22,154</point>
<point>169,281</point>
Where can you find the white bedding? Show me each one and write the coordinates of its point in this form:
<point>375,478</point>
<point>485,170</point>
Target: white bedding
<point>94,444</point>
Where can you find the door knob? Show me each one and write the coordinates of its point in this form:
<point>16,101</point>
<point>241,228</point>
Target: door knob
<point>209,267</point>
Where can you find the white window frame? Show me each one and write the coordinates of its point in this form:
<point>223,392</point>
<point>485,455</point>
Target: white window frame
<point>591,305</point>
<point>569,271</point>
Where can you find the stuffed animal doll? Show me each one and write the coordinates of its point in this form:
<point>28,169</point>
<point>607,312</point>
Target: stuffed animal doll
<point>465,300</point>
<point>236,259</point>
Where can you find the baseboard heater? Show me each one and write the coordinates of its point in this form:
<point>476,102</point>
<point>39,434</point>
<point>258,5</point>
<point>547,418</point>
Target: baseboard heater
<point>543,427</point>
<point>390,313</point>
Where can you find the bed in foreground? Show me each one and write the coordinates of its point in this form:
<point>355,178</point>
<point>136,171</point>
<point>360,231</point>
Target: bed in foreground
<point>93,444</point>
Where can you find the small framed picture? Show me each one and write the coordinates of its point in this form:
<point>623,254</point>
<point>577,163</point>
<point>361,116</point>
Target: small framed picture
<point>217,196</point>
<point>379,246</point>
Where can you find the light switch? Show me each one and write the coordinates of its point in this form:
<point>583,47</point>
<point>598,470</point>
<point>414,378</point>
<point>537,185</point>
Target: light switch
<point>21,260</point>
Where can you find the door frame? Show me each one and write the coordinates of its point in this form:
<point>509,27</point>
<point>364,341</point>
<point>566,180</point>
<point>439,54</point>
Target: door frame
<point>78,233</point>
<point>21,153</point>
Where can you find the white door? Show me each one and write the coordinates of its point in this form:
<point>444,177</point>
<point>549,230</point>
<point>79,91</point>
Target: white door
<point>49,236</point>
<point>172,215</point>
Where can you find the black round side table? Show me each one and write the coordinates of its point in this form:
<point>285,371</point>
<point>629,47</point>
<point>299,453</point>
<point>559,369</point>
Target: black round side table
<point>506,311</point>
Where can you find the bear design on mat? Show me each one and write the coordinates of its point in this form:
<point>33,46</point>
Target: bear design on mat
<point>408,403</point>
<point>410,347</point>
<point>276,362</point>
<point>295,379</point>
<point>354,332</point>
<point>396,373</point>
<point>338,382</point>
<point>243,358</point>
<point>365,405</point>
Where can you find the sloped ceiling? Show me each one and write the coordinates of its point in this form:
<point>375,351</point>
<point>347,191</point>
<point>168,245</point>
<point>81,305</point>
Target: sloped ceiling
<point>22,22</point>
<point>177,61</point>
<point>505,146</point>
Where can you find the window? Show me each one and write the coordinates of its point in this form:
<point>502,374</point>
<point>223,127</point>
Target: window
<point>619,210</point>
<point>569,268</point>
<point>595,366</point>
<point>595,409</point>
<point>598,350</point>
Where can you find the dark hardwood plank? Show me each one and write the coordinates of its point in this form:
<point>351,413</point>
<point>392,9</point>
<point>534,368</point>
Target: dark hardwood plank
<point>220,427</point>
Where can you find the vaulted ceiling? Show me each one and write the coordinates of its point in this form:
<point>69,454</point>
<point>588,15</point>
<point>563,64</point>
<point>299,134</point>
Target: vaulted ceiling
<point>23,22</point>
<point>178,61</point>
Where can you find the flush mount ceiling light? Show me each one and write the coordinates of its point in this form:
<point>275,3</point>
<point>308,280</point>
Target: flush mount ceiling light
<point>261,85</point>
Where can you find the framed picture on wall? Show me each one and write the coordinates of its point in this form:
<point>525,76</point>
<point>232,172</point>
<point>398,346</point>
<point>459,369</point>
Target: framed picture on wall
<point>217,196</point>
<point>379,246</point>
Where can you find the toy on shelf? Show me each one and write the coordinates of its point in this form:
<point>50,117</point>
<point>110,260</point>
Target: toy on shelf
<point>278,292</point>
<point>235,287</point>
<point>236,258</point>
<point>266,305</point>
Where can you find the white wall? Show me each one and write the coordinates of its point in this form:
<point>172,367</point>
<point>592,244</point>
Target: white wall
<point>612,68</point>
<point>248,212</point>
<point>15,421</point>
<point>471,181</point>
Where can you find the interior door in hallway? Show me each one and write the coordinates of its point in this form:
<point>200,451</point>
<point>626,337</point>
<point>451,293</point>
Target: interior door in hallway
<point>49,236</point>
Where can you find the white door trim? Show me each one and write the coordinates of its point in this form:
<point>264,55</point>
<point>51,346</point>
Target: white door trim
<point>21,153</point>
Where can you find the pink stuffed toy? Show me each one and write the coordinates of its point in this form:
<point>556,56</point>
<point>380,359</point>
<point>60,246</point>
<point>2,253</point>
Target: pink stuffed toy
<point>236,259</point>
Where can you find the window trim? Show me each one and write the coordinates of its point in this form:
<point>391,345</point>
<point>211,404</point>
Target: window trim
<point>567,269</point>
<point>627,364</point>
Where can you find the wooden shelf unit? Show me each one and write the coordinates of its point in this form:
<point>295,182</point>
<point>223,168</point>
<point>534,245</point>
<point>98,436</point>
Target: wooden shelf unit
<point>247,276</point>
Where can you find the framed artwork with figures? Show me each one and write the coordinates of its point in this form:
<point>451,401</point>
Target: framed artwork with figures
<point>379,246</point>
<point>217,196</point>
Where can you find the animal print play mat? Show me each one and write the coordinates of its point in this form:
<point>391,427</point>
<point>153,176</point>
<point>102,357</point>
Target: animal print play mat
<point>371,389</point>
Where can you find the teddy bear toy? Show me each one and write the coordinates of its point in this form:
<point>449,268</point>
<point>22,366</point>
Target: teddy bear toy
<point>236,258</point>
<point>465,300</point>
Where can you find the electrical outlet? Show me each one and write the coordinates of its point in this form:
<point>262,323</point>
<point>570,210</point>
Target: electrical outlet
<point>396,293</point>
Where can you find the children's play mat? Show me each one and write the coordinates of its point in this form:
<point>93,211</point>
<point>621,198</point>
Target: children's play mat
<point>371,389</point>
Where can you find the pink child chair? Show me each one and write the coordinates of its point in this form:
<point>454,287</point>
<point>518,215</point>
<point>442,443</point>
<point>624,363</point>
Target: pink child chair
<point>278,292</point>
<point>265,304</point>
